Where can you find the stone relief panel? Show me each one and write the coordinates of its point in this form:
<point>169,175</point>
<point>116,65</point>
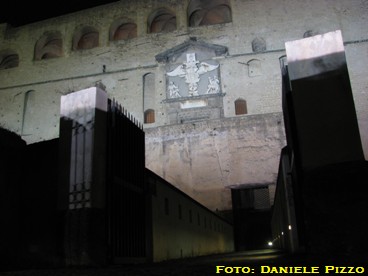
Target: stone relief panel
<point>193,82</point>
<point>193,78</point>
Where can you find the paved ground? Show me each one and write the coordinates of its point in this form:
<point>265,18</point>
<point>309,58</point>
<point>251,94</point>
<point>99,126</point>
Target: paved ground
<point>258,262</point>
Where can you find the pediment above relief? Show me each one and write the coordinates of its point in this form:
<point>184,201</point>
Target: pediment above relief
<point>202,49</point>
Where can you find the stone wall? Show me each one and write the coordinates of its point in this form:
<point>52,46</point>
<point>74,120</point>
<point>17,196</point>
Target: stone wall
<point>207,159</point>
<point>249,69</point>
<point>182,228</point>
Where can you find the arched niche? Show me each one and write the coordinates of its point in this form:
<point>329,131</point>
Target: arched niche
<point>149,91</point>
<point>8,59</point>
<point>30,113</point>
<point>122,29</point>
<point>149,116</point>
<point>259,45</point>
<point>86,38</point>
<point>50,45</point>
<point>161,20</point>
<point>204,12</point>
<point>310,33</point>
<point>240,106</point>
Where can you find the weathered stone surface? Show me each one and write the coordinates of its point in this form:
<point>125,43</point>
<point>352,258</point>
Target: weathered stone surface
<point>206,159</point>
<point>30,93</point>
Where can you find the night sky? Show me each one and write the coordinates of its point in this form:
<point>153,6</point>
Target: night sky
<point>16,13</point>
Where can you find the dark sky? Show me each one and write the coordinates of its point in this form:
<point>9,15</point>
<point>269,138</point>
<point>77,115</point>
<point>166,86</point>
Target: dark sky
<point>17,13</point>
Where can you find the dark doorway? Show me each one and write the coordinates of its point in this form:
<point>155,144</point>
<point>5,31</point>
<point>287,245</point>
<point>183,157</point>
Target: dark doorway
<point>252,218</point>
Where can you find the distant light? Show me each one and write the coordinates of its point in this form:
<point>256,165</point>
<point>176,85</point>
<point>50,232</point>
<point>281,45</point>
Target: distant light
<point>289,227</point>
<point>269,243</point>
<point>282,233</point>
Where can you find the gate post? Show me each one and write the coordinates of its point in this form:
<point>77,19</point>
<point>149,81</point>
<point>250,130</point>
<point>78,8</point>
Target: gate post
<point>83,176</point>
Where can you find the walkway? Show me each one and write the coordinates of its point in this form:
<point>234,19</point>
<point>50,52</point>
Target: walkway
<point>257,262</point>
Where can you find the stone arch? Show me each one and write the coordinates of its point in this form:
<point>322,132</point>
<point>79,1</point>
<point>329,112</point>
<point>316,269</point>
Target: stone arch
<point>161,20</point>
<point>8,59</point>
<point>240,106</point>
<point>149,91</point>
<point>50,45</point>
<point>258,45</point>
<point>204,12</point>
<point>86,38</point>
<point>123,28</point>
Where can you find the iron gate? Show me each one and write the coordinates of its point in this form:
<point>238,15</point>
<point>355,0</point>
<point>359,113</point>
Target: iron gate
<point>127,217</point>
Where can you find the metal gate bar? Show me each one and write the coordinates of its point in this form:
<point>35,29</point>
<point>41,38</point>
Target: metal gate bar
<point>126,195</point>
